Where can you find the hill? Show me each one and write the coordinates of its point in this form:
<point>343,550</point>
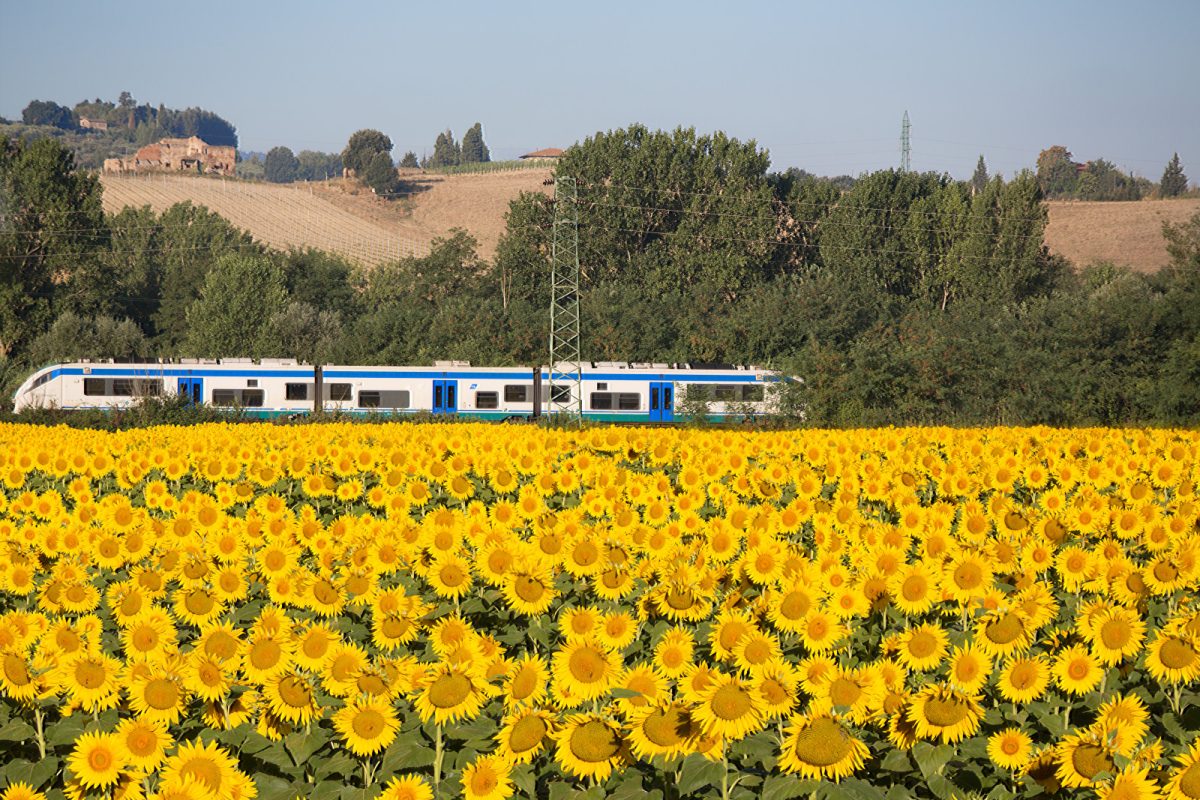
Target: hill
<point>1125,233</point>
<point>340,216</point>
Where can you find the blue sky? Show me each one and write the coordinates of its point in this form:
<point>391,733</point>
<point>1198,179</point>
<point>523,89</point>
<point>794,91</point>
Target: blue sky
<point>821,85</point>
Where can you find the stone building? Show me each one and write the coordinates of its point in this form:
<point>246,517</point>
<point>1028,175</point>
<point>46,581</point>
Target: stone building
<point>177,155</point>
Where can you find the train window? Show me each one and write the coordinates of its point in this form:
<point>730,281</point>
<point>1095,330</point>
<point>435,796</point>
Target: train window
<point>224,397</point>
<point>340,391</point>
<point>516,393</point>
<point>368,399</point>
<point>148,387</point>
<point>93,387</point>
<point>296,391</point>
<point>122,387</point>
<point>252,382</point>
<point>753,394</point>
<point>560,394</point>
<point>602,401</point>
<point>699,392</point>
<point>487,399</point>
<point>722,393</point>
<point>41,380</point>
<point>629,401</point>
<point>602,386</point>
<point>252,398</point>
<point>392,399</point>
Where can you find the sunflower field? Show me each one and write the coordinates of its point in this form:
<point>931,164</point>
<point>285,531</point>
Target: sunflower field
<point>343,612</point>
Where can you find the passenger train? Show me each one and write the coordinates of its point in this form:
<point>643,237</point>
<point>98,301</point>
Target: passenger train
<point>611,391</point>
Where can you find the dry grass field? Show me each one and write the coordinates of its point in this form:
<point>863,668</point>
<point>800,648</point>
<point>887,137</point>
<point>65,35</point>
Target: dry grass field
<point>1126,233</point>
<point>338,216</point>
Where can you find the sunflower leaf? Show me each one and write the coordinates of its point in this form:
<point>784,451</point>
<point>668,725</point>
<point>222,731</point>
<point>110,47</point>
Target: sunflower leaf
<point>785,787</point>
<point>698,771</point>
<point>930,759</point>
<point>17,730</point>
<point>896,761</point>
<point>43,771</point>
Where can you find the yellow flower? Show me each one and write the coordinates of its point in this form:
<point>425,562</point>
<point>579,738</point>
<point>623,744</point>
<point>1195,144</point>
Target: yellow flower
<point>96,760</point>
<point>588,746</point>
<point>1010,748</point>
<point>487,778</point>
<point>820,747</point>
<point>367,726</point>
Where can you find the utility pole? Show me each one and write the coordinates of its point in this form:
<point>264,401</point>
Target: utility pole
<point>905,147</point>
<point>566,369</point>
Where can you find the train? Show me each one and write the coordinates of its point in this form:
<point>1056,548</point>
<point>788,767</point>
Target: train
<point>611,391</point>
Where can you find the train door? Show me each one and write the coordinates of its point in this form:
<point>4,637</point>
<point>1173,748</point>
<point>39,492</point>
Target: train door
<point>445,397</point>
<point>192,389</point>
<point>662,401</point>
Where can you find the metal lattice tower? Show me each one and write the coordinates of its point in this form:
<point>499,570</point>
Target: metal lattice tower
<point>905,148</point>
<point>566,369</point>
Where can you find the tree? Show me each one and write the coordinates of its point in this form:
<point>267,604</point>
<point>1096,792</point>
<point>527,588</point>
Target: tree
<point>1056,171</point>
<point>231,318</point>
<point>280,165</point>
<point>304,332</point>
<point>51,228</point>
<point>380,175</point>
<point>1174,182</point>
<point>315,166</point>
<point>363,146</point>
<point>73,337</point>
<point>474,151</point>
<point>980,178</point>
<point>47,112</point>
<point>446,152</point>
<point>410,160</point>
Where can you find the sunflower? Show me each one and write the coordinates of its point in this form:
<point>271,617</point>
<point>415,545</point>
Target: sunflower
<point>585,669</point>
<point>970,669</point>
<point>939,712</point>
<point>158,695</point>
<point>1010,748</point>
<point>1002,633</point>
<point>1131,783</point>
<point>20,790</point>
<point>674,652</point>
<point>819,747</point>
<point>450,694</point>
<point>529,591</point>
<point>914,588</point>
<point>18,678</point>
<point>1076,670</point>
<point>756,650</point>
<point>367,726</point>
<point>644,679</point>
<point>1184,783</point>
<point>727,630</point>
<point>91,680</point>
<point>1117,634</point>
<point>408,787</point>
<point>524,734</point>
<point>617,630</point>
<point>266,654</point>
<point>923,648</point>
<point>97,760</point>
<point>449,576</point>
<point>487,778</point>
<point>1024,680</point>
<point>729,708</point>
<point>209,764</point>
<point>787,609</point>
<point>206,677</point>
<point>143,743</point>
<point>526,682</point>
<point>1173,659</point>
<point>821,631</point>
<point>290,697</point>
<point>662,730</point>
<point>1123,721</point>
<point>1081,757</point>
<point>776,684</point>
<point>589,746</point>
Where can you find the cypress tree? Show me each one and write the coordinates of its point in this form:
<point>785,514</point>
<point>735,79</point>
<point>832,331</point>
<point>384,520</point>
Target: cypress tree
<point>1174,182</point>
<point>474,151</point>
<point>980,178</point>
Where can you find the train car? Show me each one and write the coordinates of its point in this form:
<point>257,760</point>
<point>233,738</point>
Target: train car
<point>611,391</point>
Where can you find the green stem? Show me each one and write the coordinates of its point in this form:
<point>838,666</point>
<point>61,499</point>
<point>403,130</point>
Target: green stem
<point>437,762</point>
<point>41,737</point>
<point>724,773</point>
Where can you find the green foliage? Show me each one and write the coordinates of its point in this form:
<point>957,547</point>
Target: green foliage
<point>47,112</point>
<point>980,178</point>
<point>446,151</point>
<point>1056,171</point>
<point>381,175</point>
<point>315,166</point>
<point>73,337</point>
<point>1174,182</point>
<point>474,151</point>
<point>232,314</point>
<point>362,148</point>
<point>280,165</point>
<point>410,160</point>
<point>51,227</point>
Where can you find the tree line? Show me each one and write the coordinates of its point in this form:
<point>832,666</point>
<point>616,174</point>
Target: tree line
<point>1061,177</point>
<point>130,121</point>
<point>903,298</point>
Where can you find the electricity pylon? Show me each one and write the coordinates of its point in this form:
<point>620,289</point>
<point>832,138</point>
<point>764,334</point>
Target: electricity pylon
<point>566,368</point>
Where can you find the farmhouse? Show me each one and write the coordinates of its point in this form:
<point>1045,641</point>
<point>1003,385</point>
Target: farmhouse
<point>93,124</point>
<point>549,154</point>
<point>177,155</point>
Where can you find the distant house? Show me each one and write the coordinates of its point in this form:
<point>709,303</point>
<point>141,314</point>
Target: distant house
<point>178,155</point>
<point>549,154</point>
<point>93,124</point>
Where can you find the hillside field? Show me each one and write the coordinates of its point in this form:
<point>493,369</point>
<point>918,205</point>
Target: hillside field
<point>343,218</point>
